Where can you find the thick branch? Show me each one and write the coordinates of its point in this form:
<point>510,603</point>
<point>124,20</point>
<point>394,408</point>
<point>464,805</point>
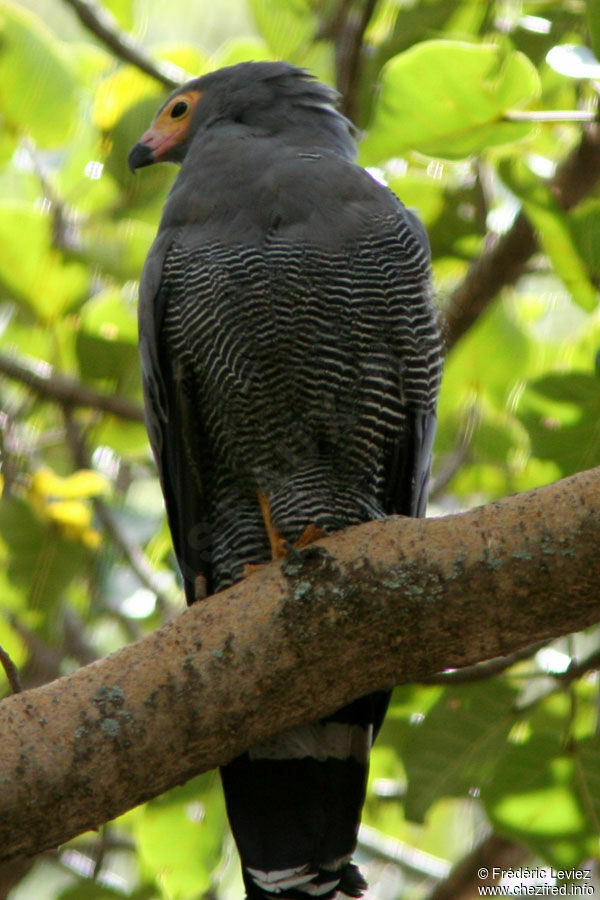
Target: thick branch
<point>504,262</point>
<point>386,602</point>
<point>68,391</point>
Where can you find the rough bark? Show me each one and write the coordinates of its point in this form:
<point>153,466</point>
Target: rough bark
<point>386,602</point>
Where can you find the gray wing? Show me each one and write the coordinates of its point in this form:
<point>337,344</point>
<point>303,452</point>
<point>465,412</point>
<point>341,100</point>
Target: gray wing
<point>175,430</point>
<point>409,460</point>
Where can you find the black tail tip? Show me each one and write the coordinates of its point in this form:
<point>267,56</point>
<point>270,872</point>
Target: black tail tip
<point>352,882</point>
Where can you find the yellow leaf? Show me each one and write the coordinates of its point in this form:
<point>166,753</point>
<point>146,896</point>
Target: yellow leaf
<point>85,483</point>
<point>118,92</point>
<point>91,538</point>
<point>46,484</point>
<point>71,514</point>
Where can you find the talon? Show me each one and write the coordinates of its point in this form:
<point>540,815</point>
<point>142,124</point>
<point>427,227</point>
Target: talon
<point>280,547</point>
<point>292,550</point>
<point>310,534</point>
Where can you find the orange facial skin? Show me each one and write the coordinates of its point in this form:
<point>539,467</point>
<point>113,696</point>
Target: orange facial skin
<point>171,125</point>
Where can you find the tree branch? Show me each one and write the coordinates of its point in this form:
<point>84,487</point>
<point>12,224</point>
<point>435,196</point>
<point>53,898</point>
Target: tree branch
<point>68,391</point>
<point>484,670</point>
<point>100,22</point>
<point>467,877</point>
<point>11,671</point>
<point>348,39</point>
<point>283,647</point>
<point>504,262</point>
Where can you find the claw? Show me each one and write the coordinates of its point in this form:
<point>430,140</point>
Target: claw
<point>292,550</point>
<point>280,547</point>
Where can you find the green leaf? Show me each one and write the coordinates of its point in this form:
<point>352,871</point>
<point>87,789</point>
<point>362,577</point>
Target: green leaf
<point>533,798</point>
<point>38,559</point>
<point>180,837</point>
<point>119,249</point>
<point>118,92</point>
<point>454,750</point>
<point>553,231</point>
<point>284,24</point>
<point>487,363</point>
<point>81,176</point>
<point>127,438</point>
<point>122,10</point>
<point>38,94</point>
<point>290,29</point>
<point>561,413</point>
<point>106,342</point>
<point>552,226</point>
<point>32,271</point>
<point>587,753</point>
<point>448,99</point>
<point>584,223</point>
<point>242,49</point>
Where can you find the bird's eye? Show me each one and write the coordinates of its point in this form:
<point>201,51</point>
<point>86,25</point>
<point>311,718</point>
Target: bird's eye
<point>180,109</point>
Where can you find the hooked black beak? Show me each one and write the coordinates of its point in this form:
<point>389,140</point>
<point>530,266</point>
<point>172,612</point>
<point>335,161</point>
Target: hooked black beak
<point>140,155</point>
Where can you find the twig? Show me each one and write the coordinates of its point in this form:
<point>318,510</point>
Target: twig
<point>12,673</point>
<point>504,262</point>
<point>103,25</point>
<point>577,669</point>
<point>65,232</point>
<point>43,663</point>
<point>40,378</point>
<point>392,850</point>
<point>483,670</point>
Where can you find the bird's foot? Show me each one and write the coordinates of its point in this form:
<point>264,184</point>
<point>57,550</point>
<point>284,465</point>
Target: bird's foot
<point>282,549</point>
<point>310,534</point>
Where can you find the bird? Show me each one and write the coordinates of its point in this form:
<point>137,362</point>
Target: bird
<point>291,362</point>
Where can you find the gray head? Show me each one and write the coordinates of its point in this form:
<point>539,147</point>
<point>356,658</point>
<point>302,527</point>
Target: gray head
<point>267,97</point>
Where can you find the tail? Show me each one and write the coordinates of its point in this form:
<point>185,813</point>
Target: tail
<point>294,805</point>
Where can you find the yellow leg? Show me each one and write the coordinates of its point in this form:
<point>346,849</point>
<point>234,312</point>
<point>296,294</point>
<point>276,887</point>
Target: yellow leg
<point>311,533</point>
<point>276,539</point>
<point>279,550</point>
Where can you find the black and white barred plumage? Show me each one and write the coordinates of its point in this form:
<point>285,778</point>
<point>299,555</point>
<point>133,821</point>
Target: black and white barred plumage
<point>289,348</point>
